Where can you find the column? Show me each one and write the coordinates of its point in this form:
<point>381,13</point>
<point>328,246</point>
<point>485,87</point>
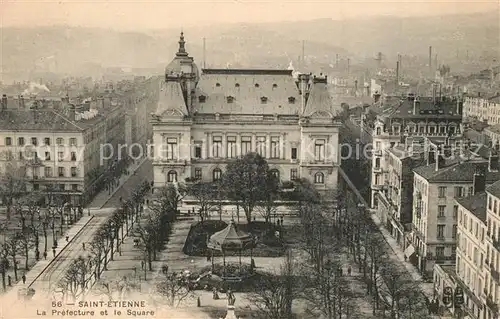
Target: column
<point>253,142</point>
<point>179,147</point>
<point>209,145</point>
<point>268,146</point>
<point>238,145</point>
<point>283,146</point>
<point>204,147</point>
<point>224,145</point>
<point>327,150</point>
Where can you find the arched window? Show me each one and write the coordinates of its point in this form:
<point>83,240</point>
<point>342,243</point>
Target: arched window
<point>172,177</point>
<point>275,173</point>
<point>217,174</point>
<point>379,131</point>
<point>319,178</point>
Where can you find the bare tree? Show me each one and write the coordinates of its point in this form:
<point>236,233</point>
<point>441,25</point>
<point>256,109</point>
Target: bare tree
<point>4,263</point>
<point>26,241</point>
<point>76,280</point>
<point>204,193</point>
<point>13,246</point>
<point>273,297</point>
<point>12,182</point>
<point>97,249</point>
<point>173,289</point>
<point>267,206</point>
<point>117,289</point>
<point>376,251</point>
<point>397,284</point>
<point>167,198</point>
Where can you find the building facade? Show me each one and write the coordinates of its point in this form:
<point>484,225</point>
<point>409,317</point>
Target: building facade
<point>436,186</point>
<point>206,119</point>
<point>413,117</point>
<point>483,108</point>
<point>59,150</point>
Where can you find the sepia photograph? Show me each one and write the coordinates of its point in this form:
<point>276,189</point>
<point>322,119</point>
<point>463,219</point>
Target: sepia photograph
<point>272,159</point>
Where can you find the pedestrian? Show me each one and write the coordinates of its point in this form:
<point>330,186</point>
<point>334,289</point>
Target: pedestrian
<point>349,270</point>
<point>37,255</point>
<point>142,264</point>
<point>147,202</point>
<point>24,278</point>
<point>67,238</point>
<point>45,255</point>
<point>121,199</point>
<point>54,252</point>
<point>83,246</point>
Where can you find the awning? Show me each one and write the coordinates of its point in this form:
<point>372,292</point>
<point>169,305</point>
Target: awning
<point>410,250</point>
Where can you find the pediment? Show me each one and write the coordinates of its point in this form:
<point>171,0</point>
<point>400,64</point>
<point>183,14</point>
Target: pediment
<point>321,114</point>
<point>173,113</point>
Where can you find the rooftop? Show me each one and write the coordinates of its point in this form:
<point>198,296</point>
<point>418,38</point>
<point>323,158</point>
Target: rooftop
<point>457,171</point>
<point>425,107</point>
<point>494,189</point>
<point>475,204</point>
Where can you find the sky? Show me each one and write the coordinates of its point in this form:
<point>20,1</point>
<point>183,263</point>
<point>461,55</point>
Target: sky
<point>147,14</point>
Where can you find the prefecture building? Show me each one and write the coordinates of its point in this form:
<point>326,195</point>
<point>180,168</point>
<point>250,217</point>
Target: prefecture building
<point>206,118</point>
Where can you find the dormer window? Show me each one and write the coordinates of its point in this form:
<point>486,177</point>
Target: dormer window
<point>230,99</point>
<point>291,100</point>
<point>237,85</point>
<point>217,84</point>
<point>202,98</point>
<point>257,85</point>
<point>263,99</point>
<point>275,85</point>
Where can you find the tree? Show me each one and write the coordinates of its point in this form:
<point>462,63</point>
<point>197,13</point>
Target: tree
<point>13,246</point>
<point>173,289</point>
<point>76,280</point>
<point>117,289</point>
<point>4,263</point>
<point>168,197</point>
<point>244,179</point>
<point>204,193</point>
<point>377,254</point>
<point>97,249</point>
<point>45,217</point>
<point>12,183</point>
<point>274,294</point>
<point>267,205</point>
<point>147,232</point>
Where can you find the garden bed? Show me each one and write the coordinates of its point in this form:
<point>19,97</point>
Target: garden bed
<point>267,243</point>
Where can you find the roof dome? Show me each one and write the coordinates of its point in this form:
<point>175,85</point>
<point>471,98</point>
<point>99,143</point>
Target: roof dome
<point>182,62</point>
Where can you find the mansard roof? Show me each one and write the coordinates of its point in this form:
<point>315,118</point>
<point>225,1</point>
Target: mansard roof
<point>254,91</point>
<point>171,100</point>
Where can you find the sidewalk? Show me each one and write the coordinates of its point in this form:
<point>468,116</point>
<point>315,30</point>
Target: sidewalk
<point>104,196</point>
<point>42,265</point>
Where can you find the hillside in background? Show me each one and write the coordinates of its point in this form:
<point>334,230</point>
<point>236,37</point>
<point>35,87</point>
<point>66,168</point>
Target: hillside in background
<point>26,52</point>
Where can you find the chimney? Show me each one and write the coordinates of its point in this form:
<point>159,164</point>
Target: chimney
<point>72,113</point>
<point>447,152</point>
<point>21,102</point>
<point>430,58</point>
<point>440,161</point>
<point>4,102</point>
<point>479,182</point>
<point>397,74</point>
<point>431,155</point>
<point>376,97</point>
<point>493,162</point>
<point>415,101</point>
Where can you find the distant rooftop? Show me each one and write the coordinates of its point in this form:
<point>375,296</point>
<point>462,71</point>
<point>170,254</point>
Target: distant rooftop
<point>494,189</point>
<point>455,171</point>
<point>475,204</point>
<point>425,107</point>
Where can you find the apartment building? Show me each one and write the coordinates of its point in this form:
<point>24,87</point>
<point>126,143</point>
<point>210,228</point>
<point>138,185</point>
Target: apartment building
<point>436,186</point>
<point>412,117</point>
<point>484,108</point>
<point>58,149</point>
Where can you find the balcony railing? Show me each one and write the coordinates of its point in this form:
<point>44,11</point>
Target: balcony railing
<point>491,304</point>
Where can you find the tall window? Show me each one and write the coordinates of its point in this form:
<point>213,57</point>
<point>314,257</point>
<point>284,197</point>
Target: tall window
<point>294,153</point>
<point>20,141</point>
<point>46,141</point>
<point>73,156</point>
<point>319,150</point>
<point>60,171</point>
<point>47,156</point>
<point>441,209</point>
<point>72,141</point>
<point>275,147</point>
<point>197,173</point>
<point>261,146</point>
<point>34,141</point>
<point>60,156</point>
<point>442,191</point>
<point>73,172</point>
<point>171,148</point>
<point>440,231</point>
<point>319,178</point>
<point>59,141</point>
<point>197,151</point>
<point>454,232</point>
<point>293,174</point>
<point>172,176</point>
<point>246,145</point>
<point>231,146</point>
<point>216,174</point>
<point>377,162</point>
<point>48,171</point>
<point>459,191</point>
<point>8,141</point>
<point>439,251</point>
<point>455,211</point>
<point>217,146</point>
